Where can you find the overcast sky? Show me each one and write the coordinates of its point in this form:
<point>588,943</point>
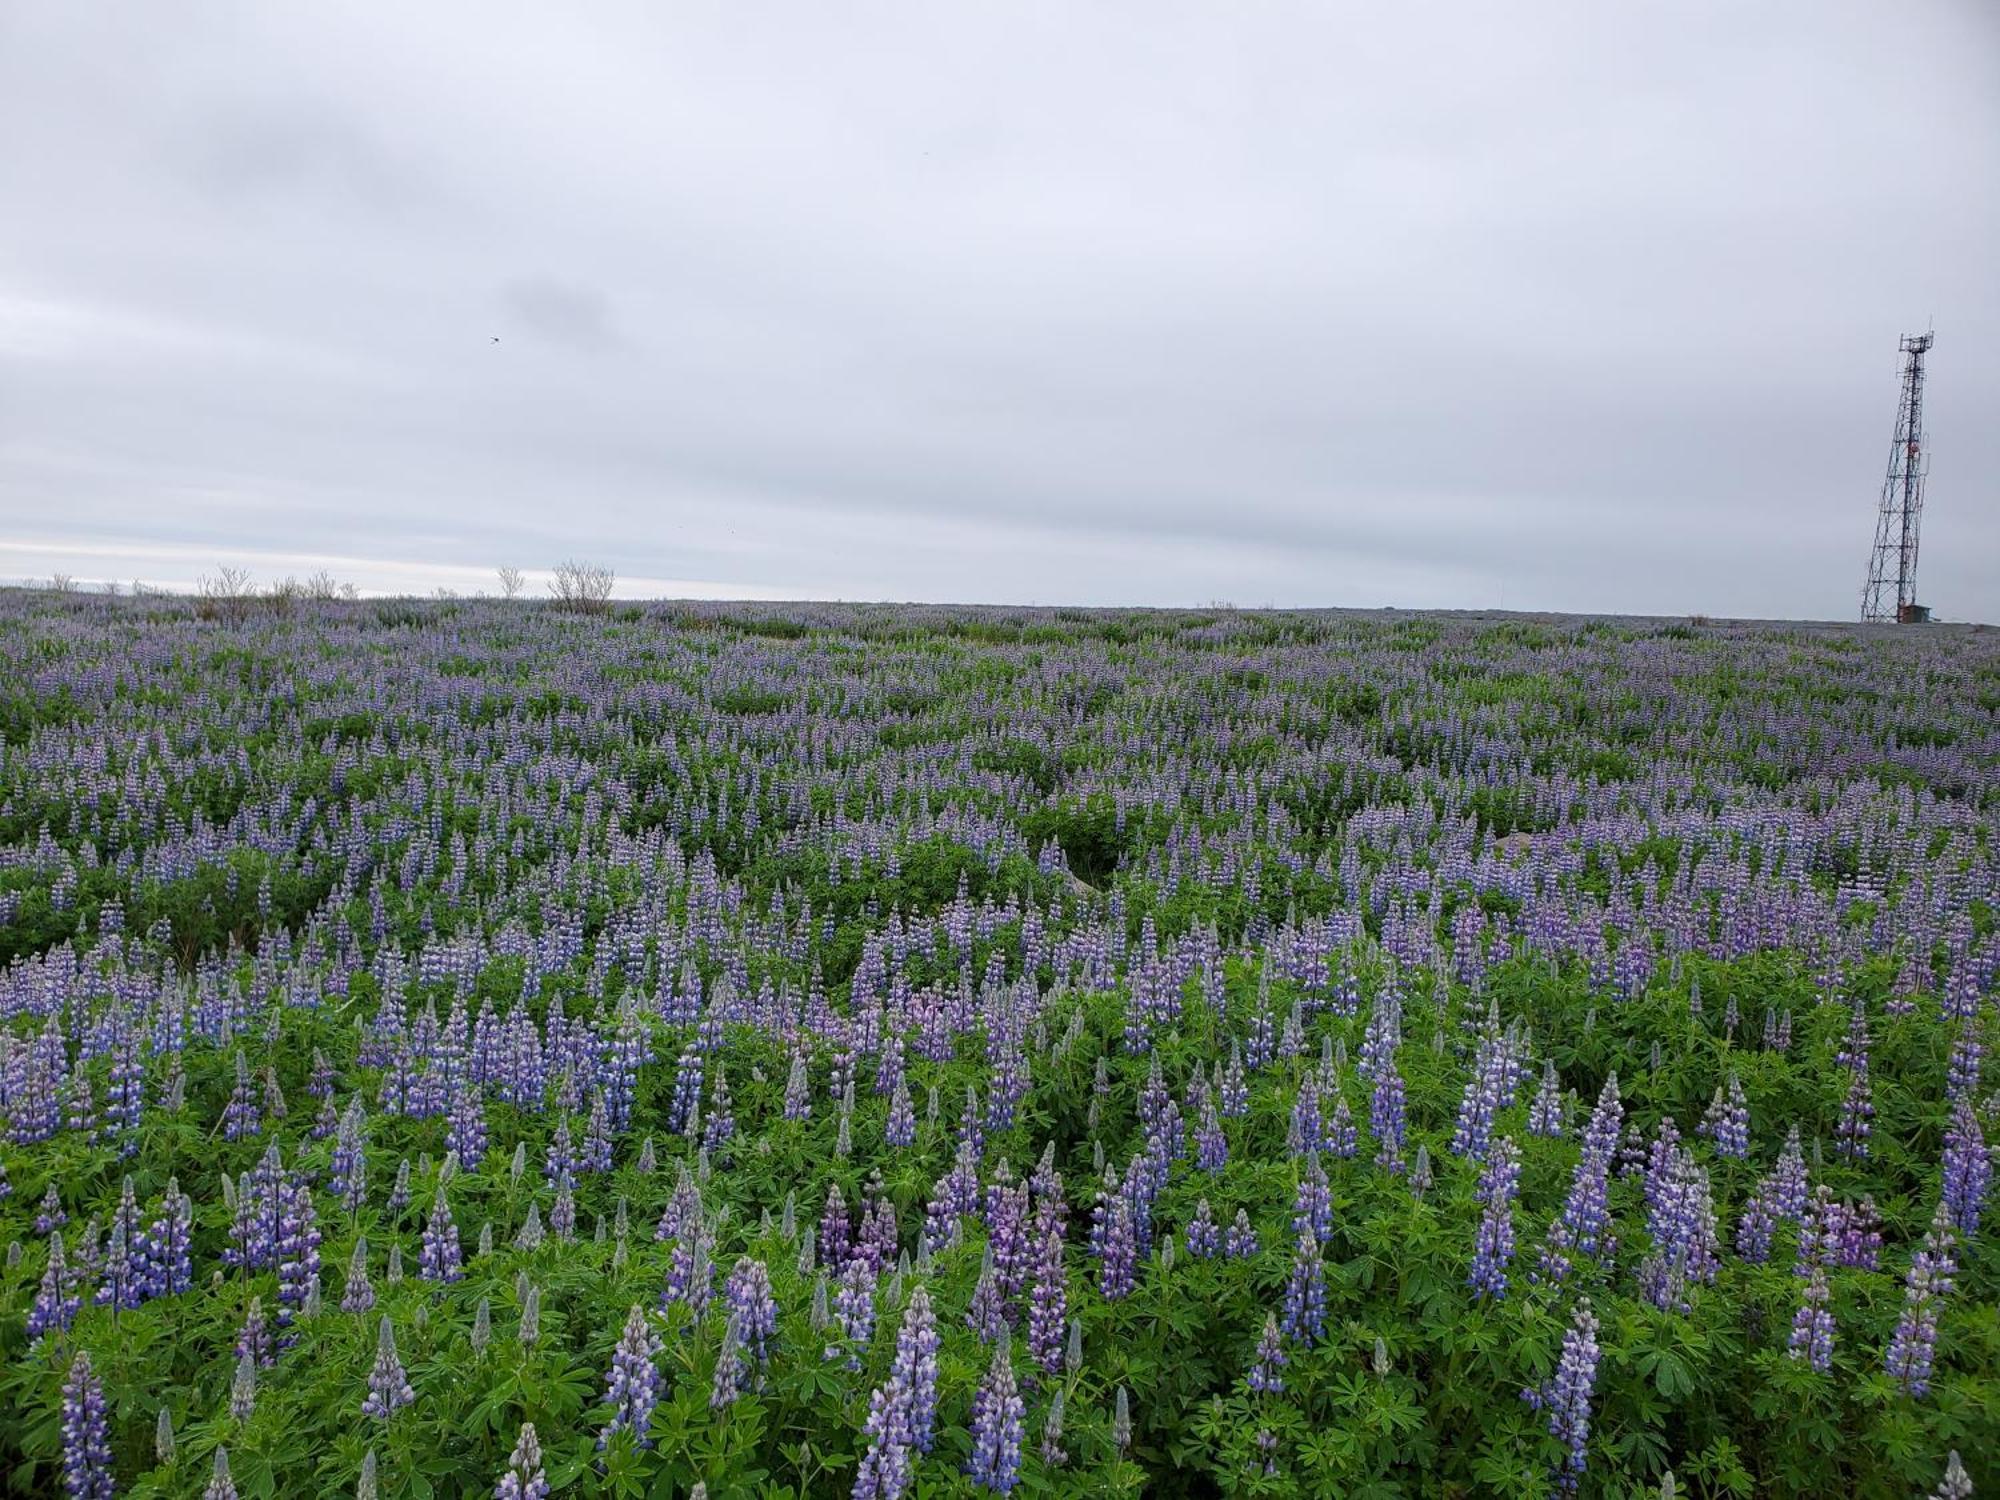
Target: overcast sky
<point>1545,306</point>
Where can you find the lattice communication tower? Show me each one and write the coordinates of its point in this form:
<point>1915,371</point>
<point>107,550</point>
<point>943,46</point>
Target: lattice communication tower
<point>1891,591</point>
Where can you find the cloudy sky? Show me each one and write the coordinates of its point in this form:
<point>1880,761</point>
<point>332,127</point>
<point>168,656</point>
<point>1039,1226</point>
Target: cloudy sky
<point>1551,306</point>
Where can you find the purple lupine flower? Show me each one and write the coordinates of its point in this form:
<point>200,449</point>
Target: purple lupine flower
<point>1755,1228</point>
<point>1304,1132</point>
<point>220,1485</point>
<point>901,1411</point>
<point>1117,1240</point>
<point>359,1294</point>
<point>253,1339</point>
<point>1968,1168</point>
<point>124,1282</point>
<point>1812,1326</point>
<point>596,1153</point>
<point>721,1124</point>
<point>1494,1247</point>
<point>1580,1228</point>
<point>388,1387</point>
<point>56,1299</point>
<point>1545,1115</point>
<point>1566,1398</point>
<point>240,1118</point>
<point>167,1257</point>
<point>1048,1301</point>
<point>632,1388</point>
<point>900,1129</point>
<point>50,1215</point>
<point>1727,1122</point>
<point>1266,1374</point>
<point>986,1314</point>
<point>1241,1241</point>
<point>1487,1092</point>
<point>1305,1291</point>
<point>751,1303</point>
<point>1211,1146</point>
<point>524,1479</point>
<point>86,1433</point>
<point>1968,1052</point>
<point>1340,1138</point>
<point>997,1426</point>
<point>1312,1202</point>
<point>727,1383</point>
<point>347,1172</point>
<point>1957,1484</point>
<point>834,1230</point>
<point>854,1309</point>
<point>1203,1235</point>
<point>465,1126</point>
<point>442,1257</point>
<point>1788,1183</point>
<point>1913,1344</point>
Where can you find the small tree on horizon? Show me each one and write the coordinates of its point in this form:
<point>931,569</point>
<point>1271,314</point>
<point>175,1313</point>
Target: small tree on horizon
<point>511,583</point>
<point>583,587</point>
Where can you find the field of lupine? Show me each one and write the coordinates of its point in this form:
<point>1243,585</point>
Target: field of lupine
<point>460,1048</point>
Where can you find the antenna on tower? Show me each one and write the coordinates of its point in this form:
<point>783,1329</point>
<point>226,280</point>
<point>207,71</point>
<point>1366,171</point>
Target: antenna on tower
<point>1890,594</point>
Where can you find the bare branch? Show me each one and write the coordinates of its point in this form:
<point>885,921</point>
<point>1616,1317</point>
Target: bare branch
<point>583,587</point>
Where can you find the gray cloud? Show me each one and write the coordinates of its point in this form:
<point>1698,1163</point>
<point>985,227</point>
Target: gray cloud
<point>1578,309</point>
<point>557,313</point>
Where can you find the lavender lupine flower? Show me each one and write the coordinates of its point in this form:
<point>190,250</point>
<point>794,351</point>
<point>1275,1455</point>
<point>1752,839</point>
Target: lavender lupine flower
<point>524,1479</point>
<point>1962,1073</point>
<point>50,1216</point>
<point>388,1387</point>
<point>1266,1374</point>
<point>997,1426</point>
<point>123,1283</point>
<point>1312,1202</point>
<point>901,1412</point>
<point>1812,1325</point>
<point>1494,1247</point>
<point>243,1389</point>
<point>727,1383</point>
<point>751,1303</point>
<point>1968,1168</point>
<point>1957,1484</point>
<point>56,1299</point>
<point>1048,1301</point>
<point>1052,1451</point>
<point>632,1388</point>
<point>854,1309</point>
<point>1566,1398</point>
<point>220,1485</point>
<point>86,1433</point>
<point>359,1293</point>
<point>1341,1138</point>
<point>1727,1122</point>
<point>465,1126</point>
<point>1912,1346</point>
<point>167,1260</point>
<point>240,1119</point>
<point>442,1257</point>
<point>1545,1115</point>
<point>1486,1093</point>
<point>1211,1145</point>
<point>253,1339</point>
<point>1203,1236</point>
<point>1240,1243</point>
<point>986,1314</point>
<point>347,1173</point>
<point>1113,1238</point>
<point>1788,1180</point>
<point>1305,1292</point>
